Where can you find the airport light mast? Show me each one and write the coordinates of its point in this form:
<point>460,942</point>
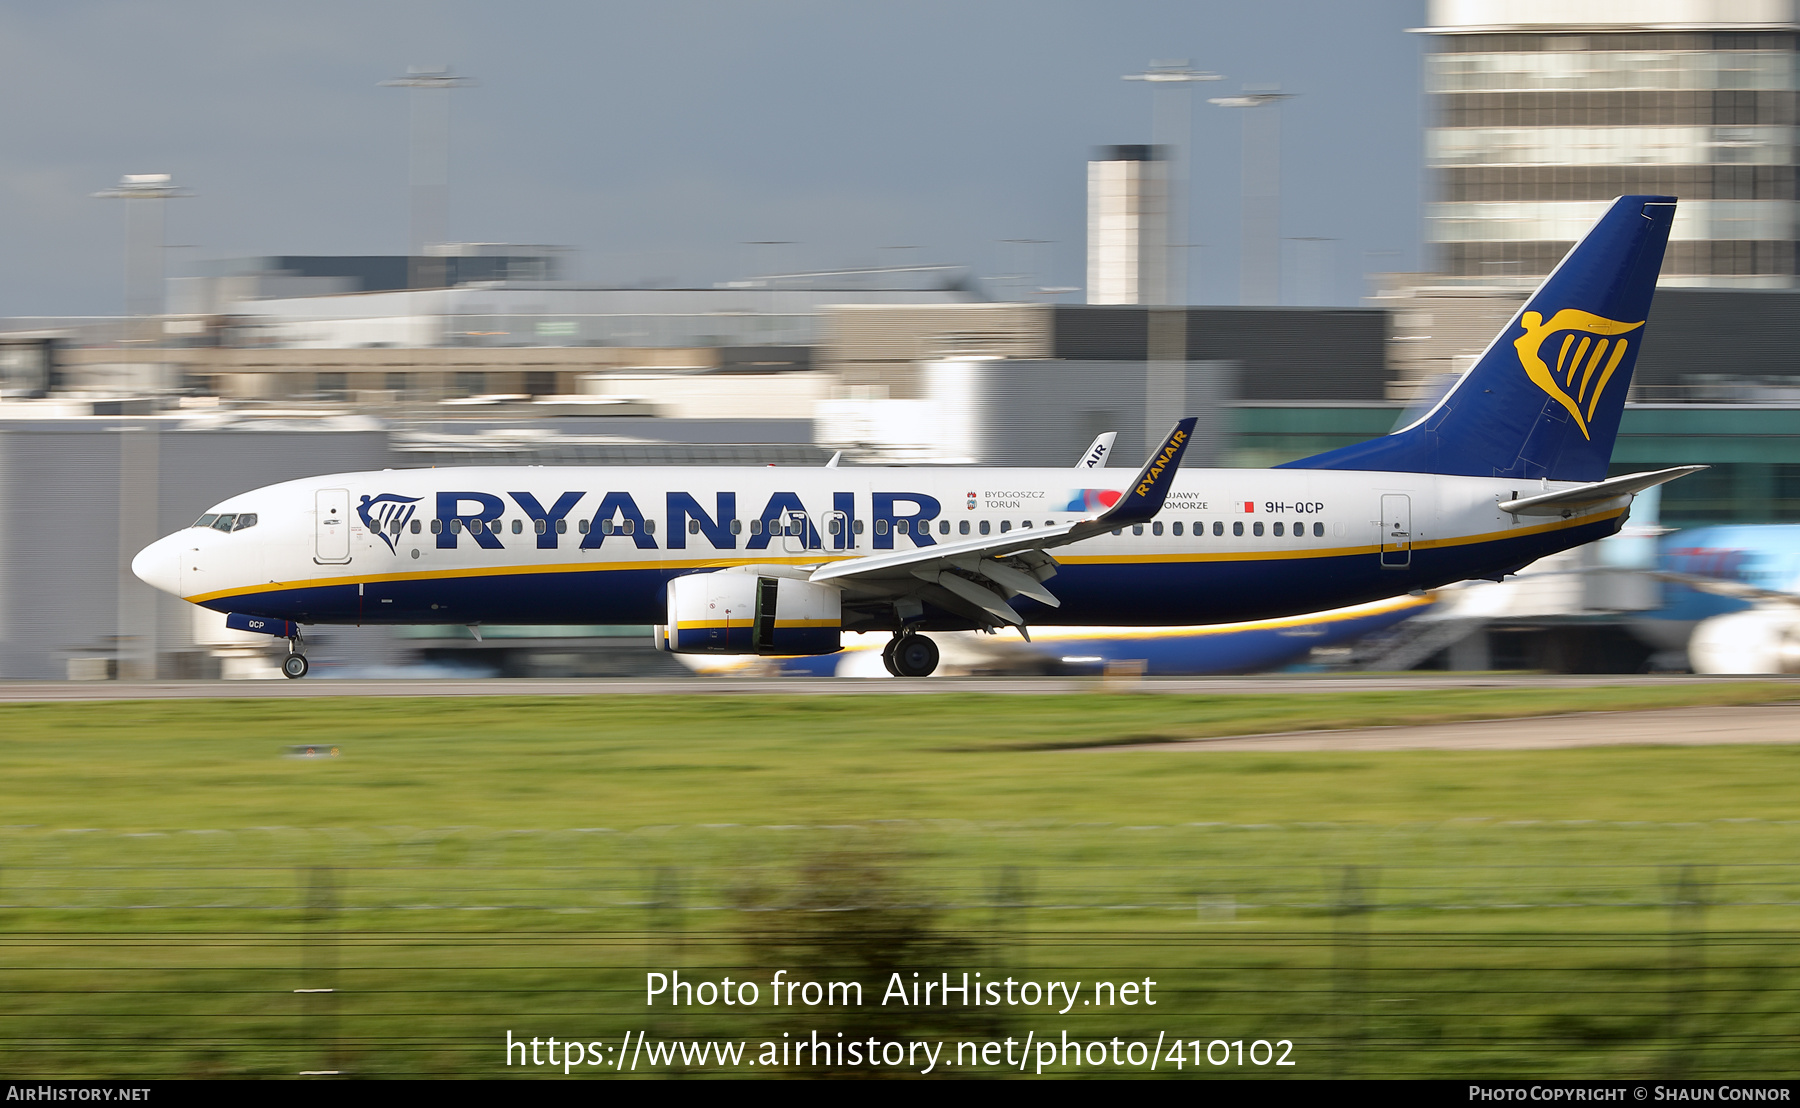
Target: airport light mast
<point>134,620</point>
<point>1166,332</point>
<point>1260,265</point>
<point>429,166</point>
<point>143,241</point>
<point>1169,129</point>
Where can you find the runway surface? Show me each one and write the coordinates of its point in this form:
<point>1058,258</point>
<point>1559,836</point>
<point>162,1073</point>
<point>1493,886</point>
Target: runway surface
<point>1710,726</point>
<point>1271,684</point>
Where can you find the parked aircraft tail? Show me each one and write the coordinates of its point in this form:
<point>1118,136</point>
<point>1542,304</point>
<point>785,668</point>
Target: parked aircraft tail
<point>1544,399</point>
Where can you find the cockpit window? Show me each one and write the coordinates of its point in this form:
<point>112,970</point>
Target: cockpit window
<point>227,521</point>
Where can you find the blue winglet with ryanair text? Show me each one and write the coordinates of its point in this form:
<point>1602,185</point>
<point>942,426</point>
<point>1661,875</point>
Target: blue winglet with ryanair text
<point>1545,398</point>
<point>1144,498</point>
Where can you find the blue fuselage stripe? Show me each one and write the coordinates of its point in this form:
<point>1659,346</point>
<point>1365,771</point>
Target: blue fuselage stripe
<point>1170,593</point>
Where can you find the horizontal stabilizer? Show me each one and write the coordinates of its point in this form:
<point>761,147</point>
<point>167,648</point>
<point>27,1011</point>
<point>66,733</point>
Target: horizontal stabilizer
<point>1569,501</point>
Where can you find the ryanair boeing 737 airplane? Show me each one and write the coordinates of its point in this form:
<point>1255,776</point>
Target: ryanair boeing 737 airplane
<point>1508,467</point>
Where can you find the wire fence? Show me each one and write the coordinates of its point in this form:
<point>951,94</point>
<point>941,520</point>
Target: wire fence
<point>409,953</point>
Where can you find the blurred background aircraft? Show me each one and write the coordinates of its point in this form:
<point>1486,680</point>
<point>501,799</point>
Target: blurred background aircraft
<point>1142,651</point>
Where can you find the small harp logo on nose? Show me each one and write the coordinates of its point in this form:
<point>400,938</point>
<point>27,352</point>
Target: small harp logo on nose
<point>1586,357</point>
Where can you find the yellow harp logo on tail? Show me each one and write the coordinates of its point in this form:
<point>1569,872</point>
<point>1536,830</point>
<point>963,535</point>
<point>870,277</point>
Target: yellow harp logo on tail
<point>1583,365</point>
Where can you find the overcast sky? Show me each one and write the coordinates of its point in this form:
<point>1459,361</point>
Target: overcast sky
<point>659,136</point>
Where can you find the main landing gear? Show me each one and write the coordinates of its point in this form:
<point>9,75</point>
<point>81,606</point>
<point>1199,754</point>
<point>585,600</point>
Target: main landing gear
<point>909,654</point>
<point>295,664</point>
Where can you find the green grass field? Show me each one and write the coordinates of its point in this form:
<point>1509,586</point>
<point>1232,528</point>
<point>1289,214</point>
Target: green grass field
<point>465,867</point>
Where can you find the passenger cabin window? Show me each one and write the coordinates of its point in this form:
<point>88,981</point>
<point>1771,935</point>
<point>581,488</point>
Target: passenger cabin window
<point>902,526</point>
<point>1278,531</point>
<point>984,527</point>
<point>1299,529</point>
<point>962,527</point>
<point>1156,528</point>
<point>693,527</point>
<point>627,526</point>
<point>649,527</point>
<point>606,527</point>
<point>1318,530</point>
<point>518,527</point>
<point>437,526</point>
<point>540,525</point>
<point>415,526</point>
<point>943,527</point>
<point>1256,528</point>
<point>1218,527</point>
<point>1237,528</point>
<point>1176,527</point>
<point>456,527</point>
<point>1137,528</point>
<point>562,527</point>
<point>737,527</point>
<point>881,527</point>
<point>1005,526</point>
<point>756,527</point>
<point>583,526</point>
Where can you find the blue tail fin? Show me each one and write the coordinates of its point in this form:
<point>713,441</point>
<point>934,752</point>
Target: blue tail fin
<point>1544,398</point>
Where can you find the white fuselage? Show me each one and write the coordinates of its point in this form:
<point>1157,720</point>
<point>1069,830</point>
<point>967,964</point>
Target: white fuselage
<point>598,545</point>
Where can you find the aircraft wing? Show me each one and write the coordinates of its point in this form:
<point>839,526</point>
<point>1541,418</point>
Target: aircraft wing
<point>1737,590</point>
<point>1569,501</point>
<point>977,577</point>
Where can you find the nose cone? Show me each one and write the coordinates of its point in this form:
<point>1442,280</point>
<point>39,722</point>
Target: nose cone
<point>159,565</point>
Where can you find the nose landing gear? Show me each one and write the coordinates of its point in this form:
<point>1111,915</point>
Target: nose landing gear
<point>295,664</point>
<point>909,654</point>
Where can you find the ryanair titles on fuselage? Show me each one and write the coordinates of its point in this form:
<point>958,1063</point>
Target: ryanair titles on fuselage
<point>474,515</point>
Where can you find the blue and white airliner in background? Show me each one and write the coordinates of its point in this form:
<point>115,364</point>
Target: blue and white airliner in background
<point>1731,595</point>
<point>1507,467</point>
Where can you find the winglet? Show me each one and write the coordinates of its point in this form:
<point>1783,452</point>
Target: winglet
<point>1146,495</point>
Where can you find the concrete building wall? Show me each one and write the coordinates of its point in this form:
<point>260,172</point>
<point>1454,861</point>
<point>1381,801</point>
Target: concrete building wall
<point>1543,112</point>
<point>80,497</point>
<point>875,350</point>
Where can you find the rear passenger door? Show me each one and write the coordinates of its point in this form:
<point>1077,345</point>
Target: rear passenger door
<point>1396,531</point>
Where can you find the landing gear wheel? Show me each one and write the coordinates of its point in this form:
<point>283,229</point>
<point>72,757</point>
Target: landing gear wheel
<point>294,665</point>
<point>913,656</point>
<point>887,657</point>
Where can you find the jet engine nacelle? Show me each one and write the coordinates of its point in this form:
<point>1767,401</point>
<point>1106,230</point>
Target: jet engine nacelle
<point>756,610</point>
<point>1762,640</point>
